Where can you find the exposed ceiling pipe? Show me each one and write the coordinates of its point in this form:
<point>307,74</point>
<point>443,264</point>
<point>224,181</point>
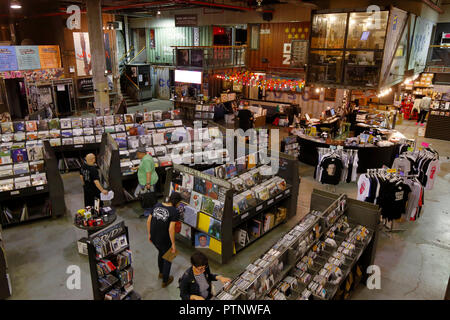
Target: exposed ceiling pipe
<point>155,4</point>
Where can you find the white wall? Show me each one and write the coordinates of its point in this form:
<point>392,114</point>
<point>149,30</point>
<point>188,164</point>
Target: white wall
<point>445,17</point>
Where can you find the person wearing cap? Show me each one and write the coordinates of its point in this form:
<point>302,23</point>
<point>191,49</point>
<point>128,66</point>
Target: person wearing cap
<point>91,181</point>
<point>147,176</point>
<point>161,232</point>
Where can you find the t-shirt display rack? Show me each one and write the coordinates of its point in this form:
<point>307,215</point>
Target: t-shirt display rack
<point>5,283</point>
<point>302,266</point>
<point>39,195</point>
<point>110,264</point>
<point>224,220</point>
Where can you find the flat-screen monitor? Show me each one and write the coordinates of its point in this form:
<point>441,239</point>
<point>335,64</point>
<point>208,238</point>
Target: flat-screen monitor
<point>187,76</point>
<point>365,36</point>
<point>333,113</point>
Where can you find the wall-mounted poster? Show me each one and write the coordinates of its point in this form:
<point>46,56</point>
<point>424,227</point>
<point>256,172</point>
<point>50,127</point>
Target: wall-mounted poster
<point>82,53</point>
<point>8,60</point>
<point>50,57</point>
<point>28,57</point>
<point>197,58</point>
<point>182,57</point>
<point>152,39</point>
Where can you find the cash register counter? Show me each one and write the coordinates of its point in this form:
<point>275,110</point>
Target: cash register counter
<point>370,156</point>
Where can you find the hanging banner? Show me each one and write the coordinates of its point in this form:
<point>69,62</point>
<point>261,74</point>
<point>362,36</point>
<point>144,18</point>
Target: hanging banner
<point>50,57</point>
<point>108,53</point>
<point>28,57</point>
<point>421,42</point>
<point>82,53</point>
<point>8,60</point>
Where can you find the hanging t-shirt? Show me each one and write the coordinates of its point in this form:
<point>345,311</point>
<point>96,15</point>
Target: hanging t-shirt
<point>162,216</point>
<point>332,170</point>
<point>432,172</point>
<point>363,187</point>
<point>393,199</point>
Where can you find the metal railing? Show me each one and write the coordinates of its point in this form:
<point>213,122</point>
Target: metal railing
<point>209,57</point>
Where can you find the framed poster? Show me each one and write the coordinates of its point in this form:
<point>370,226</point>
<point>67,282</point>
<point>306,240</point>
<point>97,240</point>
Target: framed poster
<point>182,57</point>
<point>197,58</point>
<point>299,53</point>
<point>330,94</point>
<point>152,39</point>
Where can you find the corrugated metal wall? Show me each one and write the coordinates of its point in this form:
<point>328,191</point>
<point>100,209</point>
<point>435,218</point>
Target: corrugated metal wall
<point>160,81</point>
<point>165,38</point>
<point>271,44</point>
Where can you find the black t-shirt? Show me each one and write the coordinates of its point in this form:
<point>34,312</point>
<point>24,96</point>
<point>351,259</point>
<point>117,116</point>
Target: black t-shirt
<point>244,116</point>
<point>332,170</point>
<point>162,216</point>
<point>90,174</point>
<point>394,198</point>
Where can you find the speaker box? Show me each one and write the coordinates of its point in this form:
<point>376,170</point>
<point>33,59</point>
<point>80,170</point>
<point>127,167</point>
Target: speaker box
<point>267,16</point>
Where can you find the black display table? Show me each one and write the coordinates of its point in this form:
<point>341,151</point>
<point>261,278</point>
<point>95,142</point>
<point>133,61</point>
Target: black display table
<point>369,157</point>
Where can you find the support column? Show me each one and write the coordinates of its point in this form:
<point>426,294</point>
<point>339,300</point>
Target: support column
<point>127,37</point>
<point>98,61</point>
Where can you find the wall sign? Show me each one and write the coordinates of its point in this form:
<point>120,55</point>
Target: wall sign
<point>299,53</point>
<point>85,85</point>
<point>8,60</point>
<point>50,57</point>
<point>28,57</point>
<point>186,20</point>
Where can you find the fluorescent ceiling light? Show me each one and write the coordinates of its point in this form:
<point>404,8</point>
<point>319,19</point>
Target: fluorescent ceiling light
<point>15,5</point>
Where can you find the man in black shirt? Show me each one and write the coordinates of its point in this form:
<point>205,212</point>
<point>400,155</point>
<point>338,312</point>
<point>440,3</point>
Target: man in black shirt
<point>245,119</point>
<point>91,181</point>
<point>161,232</point>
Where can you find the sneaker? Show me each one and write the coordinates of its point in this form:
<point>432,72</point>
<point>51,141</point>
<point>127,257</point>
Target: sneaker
<point>165,284</point>
<point>417,123</point>
<point>160,276</point>
<point>422,124</point>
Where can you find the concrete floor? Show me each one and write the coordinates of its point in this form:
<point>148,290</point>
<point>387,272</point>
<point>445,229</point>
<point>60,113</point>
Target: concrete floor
<point>414,264</point>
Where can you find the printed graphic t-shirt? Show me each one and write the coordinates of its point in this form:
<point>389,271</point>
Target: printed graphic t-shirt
<point>332,170</point>
<point>162,216</point>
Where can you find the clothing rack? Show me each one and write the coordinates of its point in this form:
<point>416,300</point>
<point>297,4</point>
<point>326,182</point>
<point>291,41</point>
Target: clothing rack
<point>385,228</point>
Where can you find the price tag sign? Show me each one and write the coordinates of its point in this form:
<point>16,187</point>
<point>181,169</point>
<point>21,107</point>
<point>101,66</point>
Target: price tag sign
<point>279,196</point>
<point>79,146</point>
<point>391,170</point>
<point>244,216</point>
<point>270,201</point>
<point>259,208</point>
<point>425,145</point>
<point>287,191</point>
<point>13,193</point>
<point>40,188</point>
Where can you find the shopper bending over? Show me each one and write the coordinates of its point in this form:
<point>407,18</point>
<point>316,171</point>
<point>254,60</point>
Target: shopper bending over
<point>147,176</point>
<point>91,181</point>
<point>161,232</point>
<point>195,284</point>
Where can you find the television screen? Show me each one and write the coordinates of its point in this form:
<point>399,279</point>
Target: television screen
<point>365,36</point>
<point>187,76</point>
<point>333,113</point>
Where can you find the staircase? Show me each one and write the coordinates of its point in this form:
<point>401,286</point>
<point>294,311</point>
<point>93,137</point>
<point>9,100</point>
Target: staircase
<point>129,100</point>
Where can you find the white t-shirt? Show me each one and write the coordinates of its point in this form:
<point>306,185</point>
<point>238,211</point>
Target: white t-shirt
<point>432,172</point>
<point>363,187</point>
